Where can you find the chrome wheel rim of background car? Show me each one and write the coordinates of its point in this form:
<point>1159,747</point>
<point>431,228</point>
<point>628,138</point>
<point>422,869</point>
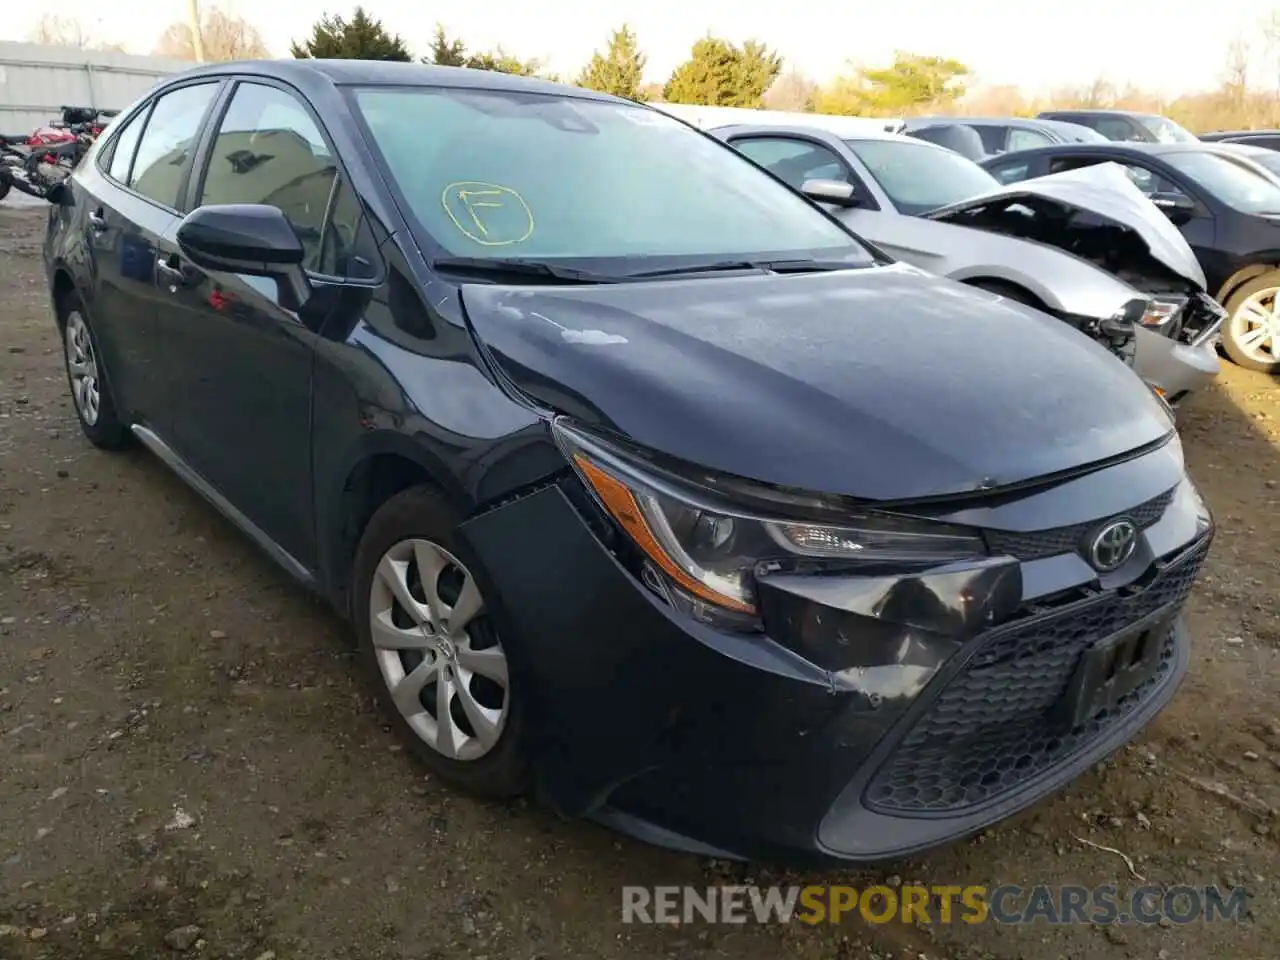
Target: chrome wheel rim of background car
<point>1255,326</point>
<point>437,651</point>
<point>82,364</point>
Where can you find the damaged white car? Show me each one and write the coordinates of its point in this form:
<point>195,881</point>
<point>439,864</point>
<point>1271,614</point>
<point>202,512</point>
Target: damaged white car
<point>1084,246</point>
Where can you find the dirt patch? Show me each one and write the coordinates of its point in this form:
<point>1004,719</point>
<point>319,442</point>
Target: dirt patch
<point>189,764</point>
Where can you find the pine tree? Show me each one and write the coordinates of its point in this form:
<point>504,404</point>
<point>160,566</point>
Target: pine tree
<point>363,38</point>
<point>446,52</point>
<point>718,73</point>
<point>619,70</point>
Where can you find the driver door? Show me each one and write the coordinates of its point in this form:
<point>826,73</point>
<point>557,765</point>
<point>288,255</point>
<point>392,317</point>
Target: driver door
<point>795,159</point>
<point>241,361</point>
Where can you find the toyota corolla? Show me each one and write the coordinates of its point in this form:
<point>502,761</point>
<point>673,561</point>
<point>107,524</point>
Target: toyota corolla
<point>644,483</point>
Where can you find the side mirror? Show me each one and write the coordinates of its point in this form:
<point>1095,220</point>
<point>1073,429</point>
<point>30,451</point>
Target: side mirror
<point>837,192</point>
<point>1178,207</point>
<point>249,238</point>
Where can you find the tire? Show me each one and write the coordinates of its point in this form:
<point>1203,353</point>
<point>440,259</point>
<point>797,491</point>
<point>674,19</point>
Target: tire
<point>1234,326</point>
<point>88,382</point>
<point>4,187</point>
<point>415,524</point>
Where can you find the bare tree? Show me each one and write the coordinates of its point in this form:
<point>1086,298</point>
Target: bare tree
<point>59,31</point>
<point>792,92</point>
<point>224,37</point>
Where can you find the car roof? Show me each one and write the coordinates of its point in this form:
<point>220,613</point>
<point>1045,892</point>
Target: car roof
<point>1029,122</point>
<point>1242,133</point>
<point>1089,111</point>
<point>1121,146</point>
<point>393,73</point>
<point>818,125</point>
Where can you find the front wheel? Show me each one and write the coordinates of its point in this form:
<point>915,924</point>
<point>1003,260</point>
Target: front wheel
<point>429,646</point>
<point>1251,334</point>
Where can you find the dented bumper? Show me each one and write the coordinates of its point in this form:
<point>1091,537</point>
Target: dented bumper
<point>809,742</point>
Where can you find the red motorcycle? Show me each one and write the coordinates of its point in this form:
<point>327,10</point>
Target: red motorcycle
<point>36,161</point>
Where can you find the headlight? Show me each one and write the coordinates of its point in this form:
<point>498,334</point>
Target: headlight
<point>1160,313</point>
<point>702,552</point>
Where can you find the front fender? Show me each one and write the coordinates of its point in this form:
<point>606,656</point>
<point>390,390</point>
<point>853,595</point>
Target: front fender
<point>1065,284</point>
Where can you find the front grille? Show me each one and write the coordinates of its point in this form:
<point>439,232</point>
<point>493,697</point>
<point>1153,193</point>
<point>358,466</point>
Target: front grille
<point>1049,543</point>
<point>989,729</point>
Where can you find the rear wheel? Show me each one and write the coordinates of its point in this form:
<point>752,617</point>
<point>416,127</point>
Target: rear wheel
<point>1251,334</point>
<point>438,666</point>
<point>87,379</point>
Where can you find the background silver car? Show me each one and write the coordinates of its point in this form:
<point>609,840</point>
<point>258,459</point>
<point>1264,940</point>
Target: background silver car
<point>933,208</point>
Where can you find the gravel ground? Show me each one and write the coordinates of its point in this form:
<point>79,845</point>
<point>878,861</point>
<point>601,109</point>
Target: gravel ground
<point>189,765</point>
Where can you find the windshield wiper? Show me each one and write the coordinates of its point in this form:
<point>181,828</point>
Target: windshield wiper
<point>519,268</point>
<point>771,266</point>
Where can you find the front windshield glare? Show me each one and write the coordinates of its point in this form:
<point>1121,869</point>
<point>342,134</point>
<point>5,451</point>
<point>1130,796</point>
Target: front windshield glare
<point>920,178</point>
<point>501,174</point>
<point>1233,184</point>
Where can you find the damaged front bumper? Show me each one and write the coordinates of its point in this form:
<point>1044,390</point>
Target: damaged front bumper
<point>1183,357</point>
<point>793,744</point>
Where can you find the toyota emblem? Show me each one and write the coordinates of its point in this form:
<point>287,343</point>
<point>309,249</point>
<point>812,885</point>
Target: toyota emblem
<point>1113,545</point>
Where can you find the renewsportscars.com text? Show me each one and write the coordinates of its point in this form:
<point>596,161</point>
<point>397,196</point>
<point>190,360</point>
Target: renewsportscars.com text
<point>937,903</point>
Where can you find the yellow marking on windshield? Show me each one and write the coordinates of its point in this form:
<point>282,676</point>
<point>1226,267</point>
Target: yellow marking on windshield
<point>488,213</point>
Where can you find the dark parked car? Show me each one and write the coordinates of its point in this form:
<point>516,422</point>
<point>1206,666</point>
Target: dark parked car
<point>1226,205</point>
<point>1257,138</point>
<point>1001,134</point>
<point>620,456</point>
<point>1125,125</point>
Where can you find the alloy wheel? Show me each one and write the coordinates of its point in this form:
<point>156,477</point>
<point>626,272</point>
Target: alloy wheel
<point>82,365</point>
<point>1255,326</point>
<point>437,651</point>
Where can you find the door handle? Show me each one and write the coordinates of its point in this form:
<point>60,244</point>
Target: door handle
<point>170,273</point>
<point>97,221</point>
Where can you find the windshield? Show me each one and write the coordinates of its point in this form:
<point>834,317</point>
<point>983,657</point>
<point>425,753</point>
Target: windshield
<point>1166,131</point>
<point>509,174</point>
<point>919,178</point>
<point>1268,159</point>
<point>1233,183</point>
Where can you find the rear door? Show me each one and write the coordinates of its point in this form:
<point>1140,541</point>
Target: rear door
<point>242,358</point>
<point>131,199</point>
<point>797,159</point>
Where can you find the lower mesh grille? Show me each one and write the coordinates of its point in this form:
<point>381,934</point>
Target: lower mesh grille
<point>989,729</point>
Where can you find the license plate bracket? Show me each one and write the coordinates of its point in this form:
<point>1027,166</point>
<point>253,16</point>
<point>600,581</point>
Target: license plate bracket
<point>1111,669</point>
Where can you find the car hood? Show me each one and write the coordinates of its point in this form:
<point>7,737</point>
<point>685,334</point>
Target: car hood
<point>883,383</point>
<point>1106,193</point>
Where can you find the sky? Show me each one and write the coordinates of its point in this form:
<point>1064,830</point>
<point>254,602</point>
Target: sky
<point>1170,47</point>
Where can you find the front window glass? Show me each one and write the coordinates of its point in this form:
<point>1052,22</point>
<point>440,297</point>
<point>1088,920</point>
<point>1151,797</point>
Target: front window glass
<point>920,178</point>
<point>502,174</point>
<point>1166,131</point>
<point>1234,184</point>
<point>269,150</point>
<point>794,161</point>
